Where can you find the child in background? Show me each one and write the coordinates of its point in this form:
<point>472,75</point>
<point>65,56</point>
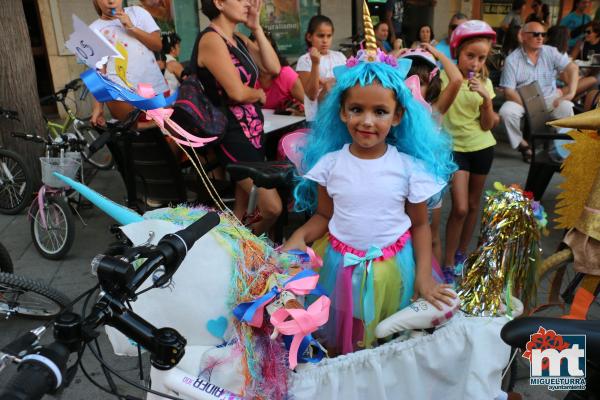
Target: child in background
<point>315,68</point>
<point>469,120</point>
<point>369,176</point>
<point>284,91</point>
<point>136,30</point>
<point>173,68</point>
<point>424,65</point>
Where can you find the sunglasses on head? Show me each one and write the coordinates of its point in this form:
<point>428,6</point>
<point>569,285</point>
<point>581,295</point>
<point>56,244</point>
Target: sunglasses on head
<point>537,34</point>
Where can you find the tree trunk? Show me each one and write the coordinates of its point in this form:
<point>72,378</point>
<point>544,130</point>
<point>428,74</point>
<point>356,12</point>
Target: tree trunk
<point>18,84</point>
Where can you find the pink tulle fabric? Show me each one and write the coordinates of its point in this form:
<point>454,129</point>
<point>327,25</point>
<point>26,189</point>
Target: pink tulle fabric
<point>348,330</point>
<point>389,251</point>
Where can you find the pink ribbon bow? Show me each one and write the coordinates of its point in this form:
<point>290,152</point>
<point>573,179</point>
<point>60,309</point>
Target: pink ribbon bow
<point>162,117</point>
<point>300,323</point>
<point>300,287</point>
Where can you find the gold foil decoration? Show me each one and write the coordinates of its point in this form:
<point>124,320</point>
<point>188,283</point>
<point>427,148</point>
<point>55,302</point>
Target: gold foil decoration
<point>589,220</point>
<point>506,259</point>
<point>370,40</point>
<point>579,170</point>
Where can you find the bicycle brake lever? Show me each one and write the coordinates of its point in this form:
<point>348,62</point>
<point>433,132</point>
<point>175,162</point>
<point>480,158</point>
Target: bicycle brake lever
<point>21,346</point>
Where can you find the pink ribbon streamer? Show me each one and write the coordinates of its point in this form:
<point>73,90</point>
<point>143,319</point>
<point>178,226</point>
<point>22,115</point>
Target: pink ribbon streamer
<point>300,323</point>
<point>161,116</point>
<point>299,287</point>
<point>315,260</point>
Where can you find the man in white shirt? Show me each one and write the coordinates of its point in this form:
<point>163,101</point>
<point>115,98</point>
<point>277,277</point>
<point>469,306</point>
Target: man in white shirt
<point>532,62</point>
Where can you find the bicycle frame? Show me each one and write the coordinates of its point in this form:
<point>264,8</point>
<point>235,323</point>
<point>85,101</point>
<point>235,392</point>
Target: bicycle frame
<point>55,129</point>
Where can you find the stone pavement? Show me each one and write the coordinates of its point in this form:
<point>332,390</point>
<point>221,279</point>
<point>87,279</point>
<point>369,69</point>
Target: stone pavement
<point>72,275</point>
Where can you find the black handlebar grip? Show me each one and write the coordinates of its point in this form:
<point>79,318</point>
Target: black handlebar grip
<point>27,136</point>
<point>174,246</point>
<point>21,343</point>
<point>98,143</point>
<point>198,229</point>
<point>38,374</point>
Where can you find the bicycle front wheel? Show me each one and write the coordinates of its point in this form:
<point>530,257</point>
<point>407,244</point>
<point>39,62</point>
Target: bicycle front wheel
<point>6,264</point>
<point>24,296</point>
<point>52,234</point>
<point>101,159</point>
<point>16,183</point>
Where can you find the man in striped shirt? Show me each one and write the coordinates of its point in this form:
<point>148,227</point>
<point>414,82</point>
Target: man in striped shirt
<point>531,62</point>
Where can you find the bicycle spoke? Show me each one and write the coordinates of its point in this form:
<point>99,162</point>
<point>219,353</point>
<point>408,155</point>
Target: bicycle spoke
<point>54,236</point>
<point>26,302</point>
<point>14,183</point>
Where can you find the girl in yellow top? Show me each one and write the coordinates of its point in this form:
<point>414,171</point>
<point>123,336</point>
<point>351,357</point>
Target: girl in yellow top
<point>469,120</point>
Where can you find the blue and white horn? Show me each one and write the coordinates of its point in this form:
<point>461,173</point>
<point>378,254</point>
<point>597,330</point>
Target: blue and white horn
<point>122,215</point>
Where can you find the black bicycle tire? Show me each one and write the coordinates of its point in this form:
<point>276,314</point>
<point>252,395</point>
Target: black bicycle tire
<point>104,167</point>
<point>24,283</point>
<point>61,203</point>
<point>29,183</point>
<point>6,264</point>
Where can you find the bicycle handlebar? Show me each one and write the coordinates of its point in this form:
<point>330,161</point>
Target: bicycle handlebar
<point>172,249</point>
<point>42,372</point>
<point>99,142</point>
<point>60,95</point>
<point>120,126</point>
<point>38,374</point>
<point>29,137</point>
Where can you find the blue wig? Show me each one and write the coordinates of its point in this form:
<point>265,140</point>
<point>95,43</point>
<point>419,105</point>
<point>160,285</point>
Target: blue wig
<point>416,135</point>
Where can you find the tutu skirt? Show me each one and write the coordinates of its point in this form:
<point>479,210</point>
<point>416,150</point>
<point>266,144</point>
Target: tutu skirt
<point>350,326</point>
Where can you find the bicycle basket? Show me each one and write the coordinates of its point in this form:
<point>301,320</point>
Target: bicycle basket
<point>66,166</point>
<point>75,155</point>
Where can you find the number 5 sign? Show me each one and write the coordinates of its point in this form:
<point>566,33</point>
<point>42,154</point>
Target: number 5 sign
<point>89,45</point>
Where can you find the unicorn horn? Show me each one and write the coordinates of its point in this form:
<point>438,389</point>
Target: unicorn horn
<point>586,120</point>
<point>370,41</point>
<point>122,215</point>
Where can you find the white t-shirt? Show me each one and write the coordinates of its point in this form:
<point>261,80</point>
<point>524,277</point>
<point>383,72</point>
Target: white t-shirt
<point>141,66</point>
<point>170,77</point>
<point>369,195</point>
<point>326,65</point>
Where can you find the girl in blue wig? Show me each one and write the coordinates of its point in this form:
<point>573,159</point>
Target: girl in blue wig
<point>373,159</point>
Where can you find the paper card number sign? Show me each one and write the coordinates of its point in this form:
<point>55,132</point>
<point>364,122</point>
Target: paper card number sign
<point>89,45</point>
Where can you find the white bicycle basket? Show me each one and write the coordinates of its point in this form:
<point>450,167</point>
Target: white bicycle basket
<point>66,166</point>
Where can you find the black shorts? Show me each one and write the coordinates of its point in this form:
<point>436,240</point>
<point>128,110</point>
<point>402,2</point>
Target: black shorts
<point>236,147</point>
<point>476,162</point>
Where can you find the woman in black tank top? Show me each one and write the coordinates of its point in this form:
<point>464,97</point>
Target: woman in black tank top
<point>228,66</point>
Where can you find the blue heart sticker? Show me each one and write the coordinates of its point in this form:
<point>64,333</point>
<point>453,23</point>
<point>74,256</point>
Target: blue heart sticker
<point>217,327</point>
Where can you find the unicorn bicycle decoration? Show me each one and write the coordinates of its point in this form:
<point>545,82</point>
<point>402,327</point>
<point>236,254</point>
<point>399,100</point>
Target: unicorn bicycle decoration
<point>251,314</point>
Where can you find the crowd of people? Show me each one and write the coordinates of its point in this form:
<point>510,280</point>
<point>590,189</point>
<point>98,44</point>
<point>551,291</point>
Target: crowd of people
<point>381,152</point>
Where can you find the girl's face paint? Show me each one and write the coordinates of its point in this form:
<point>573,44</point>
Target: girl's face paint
<point>369,112</point>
